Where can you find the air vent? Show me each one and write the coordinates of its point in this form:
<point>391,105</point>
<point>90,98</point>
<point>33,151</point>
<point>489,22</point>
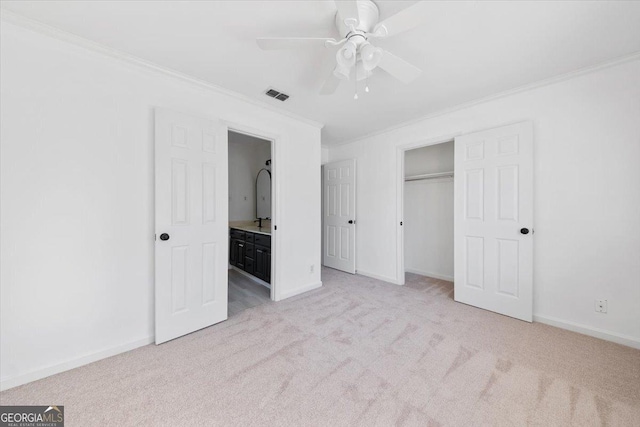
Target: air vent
<point>277,95</point>
<point>272,93</point>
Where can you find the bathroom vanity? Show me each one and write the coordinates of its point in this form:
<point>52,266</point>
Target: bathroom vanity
<point>250,240</point>
<point>250,250</point>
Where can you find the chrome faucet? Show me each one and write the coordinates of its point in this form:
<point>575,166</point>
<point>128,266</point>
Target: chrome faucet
<point>259,221</point>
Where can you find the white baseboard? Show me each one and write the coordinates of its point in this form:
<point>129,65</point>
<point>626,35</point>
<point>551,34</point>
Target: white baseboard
<point>587,330</point>
<point>300,290</point>
<point>251,277</point>
<point>71,364</point>
<point>429,274</point>
<point>379,277</point>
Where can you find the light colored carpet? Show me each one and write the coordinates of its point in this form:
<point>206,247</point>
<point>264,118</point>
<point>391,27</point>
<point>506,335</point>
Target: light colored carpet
<point>357,352</point>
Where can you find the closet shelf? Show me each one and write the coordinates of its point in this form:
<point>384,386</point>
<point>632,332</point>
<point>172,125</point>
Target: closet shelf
<point>428,176</point>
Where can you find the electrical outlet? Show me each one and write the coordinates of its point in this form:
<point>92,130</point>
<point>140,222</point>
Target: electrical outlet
<point>601,305</point>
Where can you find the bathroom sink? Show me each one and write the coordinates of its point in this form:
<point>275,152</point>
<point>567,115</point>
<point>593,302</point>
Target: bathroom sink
<point>253,229</point>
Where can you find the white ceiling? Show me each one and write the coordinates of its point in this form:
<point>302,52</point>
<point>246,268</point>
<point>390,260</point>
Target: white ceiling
<point>468,50</point>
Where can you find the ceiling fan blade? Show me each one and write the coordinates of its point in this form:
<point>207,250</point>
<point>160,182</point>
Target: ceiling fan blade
<point>330,85</point>
<point>274,43</point>
<point>404,20</point>
<point>399,68</point>
<point>348,9</point>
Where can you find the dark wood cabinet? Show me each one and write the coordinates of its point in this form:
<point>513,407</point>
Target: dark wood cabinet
<point>237,253</point>
<point>249,265</point>
<point>251,252</point>
<point>233,251</point>
<point>261,268</point>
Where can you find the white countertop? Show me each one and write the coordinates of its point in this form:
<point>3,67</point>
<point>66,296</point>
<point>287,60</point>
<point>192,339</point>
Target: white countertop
<point>251,227</point>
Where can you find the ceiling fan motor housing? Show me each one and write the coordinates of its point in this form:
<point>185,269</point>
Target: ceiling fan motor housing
<point>355,31</point>
<point>368,18</point>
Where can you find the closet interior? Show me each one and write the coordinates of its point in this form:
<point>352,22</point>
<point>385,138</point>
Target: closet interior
<point>428,212</point>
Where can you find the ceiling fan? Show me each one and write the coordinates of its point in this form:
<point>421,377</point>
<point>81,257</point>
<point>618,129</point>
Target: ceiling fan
<point>357,22</point>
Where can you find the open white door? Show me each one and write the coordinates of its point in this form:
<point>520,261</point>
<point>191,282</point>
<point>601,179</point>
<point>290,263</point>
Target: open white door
<point>339,234</point>
<point>191,223</point>
<point>494,220</point>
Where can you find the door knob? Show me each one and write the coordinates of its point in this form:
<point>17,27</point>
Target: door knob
<point>350,221</point>
<point>524,230</point>
<point>164,236</point>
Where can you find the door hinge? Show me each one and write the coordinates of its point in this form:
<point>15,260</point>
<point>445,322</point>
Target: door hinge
<point>275,227</point>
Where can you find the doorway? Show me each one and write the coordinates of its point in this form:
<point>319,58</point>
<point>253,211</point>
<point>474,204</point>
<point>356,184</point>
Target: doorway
<point>251,171</point>
<point>428,214</point>
<point>427,195</point>
<point>492,217</point>
<point>425,172</point>
<point>192,230</point>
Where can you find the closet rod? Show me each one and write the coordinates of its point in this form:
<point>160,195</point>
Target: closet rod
<point>429,176</point>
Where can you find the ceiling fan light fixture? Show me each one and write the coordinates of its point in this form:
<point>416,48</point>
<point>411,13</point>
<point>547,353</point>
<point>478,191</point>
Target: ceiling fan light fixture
<point>346,56</point>
<point>358,21</point>
<point>371,56</point>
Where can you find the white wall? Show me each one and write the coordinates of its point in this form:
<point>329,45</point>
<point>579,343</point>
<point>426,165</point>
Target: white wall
<point>587,194</point>
<point>77,199</point>
<point>430,159</point>
<point>325,154</point>
<point>428,212</point>
<point>247,155</point>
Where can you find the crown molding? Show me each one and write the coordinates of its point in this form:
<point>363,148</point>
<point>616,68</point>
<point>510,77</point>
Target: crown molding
<point>48,30</point>
<point>525,88</point>
<point>40,27</point>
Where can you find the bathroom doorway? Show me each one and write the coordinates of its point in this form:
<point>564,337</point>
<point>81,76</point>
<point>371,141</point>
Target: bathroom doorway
<point>251,207</point>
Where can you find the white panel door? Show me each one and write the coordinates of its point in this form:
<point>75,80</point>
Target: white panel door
<point>191,223</point>
<point>339,234</point>
<point>494,220</point>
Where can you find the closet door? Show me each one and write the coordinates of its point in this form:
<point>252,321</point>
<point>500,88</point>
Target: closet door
<point>493,228</point>
<point>191,223</point>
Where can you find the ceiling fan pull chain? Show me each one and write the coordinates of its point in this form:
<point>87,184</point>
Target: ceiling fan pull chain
<point>355,80</point>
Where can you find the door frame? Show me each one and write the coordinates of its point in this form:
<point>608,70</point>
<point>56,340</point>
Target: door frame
<point>400,152</point>
<point>276,141</point>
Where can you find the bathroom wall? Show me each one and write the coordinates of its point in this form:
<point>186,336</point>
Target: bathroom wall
<point>247,155</point>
